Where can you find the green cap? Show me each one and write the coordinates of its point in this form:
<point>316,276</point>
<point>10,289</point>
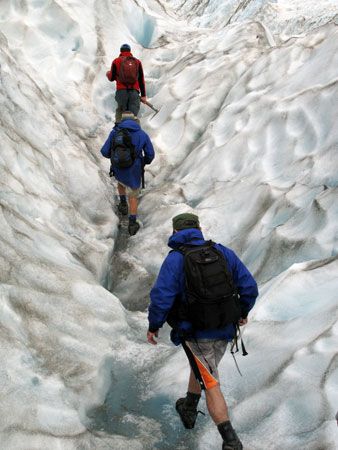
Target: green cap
<point>185,220</point>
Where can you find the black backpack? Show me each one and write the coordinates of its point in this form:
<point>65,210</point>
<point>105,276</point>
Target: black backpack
<point>211,298</point>
<point>123,152</point>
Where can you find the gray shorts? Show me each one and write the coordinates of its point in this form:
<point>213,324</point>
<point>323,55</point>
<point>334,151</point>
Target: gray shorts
<point>129,191</point>
<point>128,100</point>
<point>208,354</point>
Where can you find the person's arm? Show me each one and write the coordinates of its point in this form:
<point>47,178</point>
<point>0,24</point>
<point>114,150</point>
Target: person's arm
<point>142,83</point>
<point>106,149</point>
<point>111,74</point>
<point>148,150</point>
<point>164,293</point>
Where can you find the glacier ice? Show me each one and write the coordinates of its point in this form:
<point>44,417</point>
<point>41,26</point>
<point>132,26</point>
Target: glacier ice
<point>246,137</point>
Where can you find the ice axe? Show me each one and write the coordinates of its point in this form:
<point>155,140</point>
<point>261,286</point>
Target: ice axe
<point>152,107</point>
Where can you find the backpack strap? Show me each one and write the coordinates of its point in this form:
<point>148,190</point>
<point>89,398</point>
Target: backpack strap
<point>193,365</point>
<point>234,345</point>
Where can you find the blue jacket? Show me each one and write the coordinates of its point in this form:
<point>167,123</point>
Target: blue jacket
<point>144,150</point>
<point>170,284</point>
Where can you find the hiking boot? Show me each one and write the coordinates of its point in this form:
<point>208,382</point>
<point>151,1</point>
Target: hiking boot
<point>122,208</point>
<point>230,439</point>
<point>187,409</point>
<point>133,227</point>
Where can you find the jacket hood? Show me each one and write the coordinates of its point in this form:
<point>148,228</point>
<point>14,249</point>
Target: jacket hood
<point>187,236</point>
<point>129,124</point>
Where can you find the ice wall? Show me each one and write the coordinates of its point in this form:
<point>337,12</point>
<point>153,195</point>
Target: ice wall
<point>284,17</point>
<point>246,138</point>
<point>57,235</point>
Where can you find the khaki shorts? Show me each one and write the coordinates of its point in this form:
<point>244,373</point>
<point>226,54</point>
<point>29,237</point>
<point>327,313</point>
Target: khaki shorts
<point>131,192</point>
<point>207,355</point>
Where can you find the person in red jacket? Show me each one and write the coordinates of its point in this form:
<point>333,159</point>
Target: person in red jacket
<point>127,71</point>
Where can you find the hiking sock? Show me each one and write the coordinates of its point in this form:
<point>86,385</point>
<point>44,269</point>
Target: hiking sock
<point>133,225</point>
<point>230,438</point>
<point>122,207</point>
<point>187,409</point>
<point>191,400</point>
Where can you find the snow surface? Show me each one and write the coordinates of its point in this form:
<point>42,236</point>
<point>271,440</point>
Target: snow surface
<point>246,138</point>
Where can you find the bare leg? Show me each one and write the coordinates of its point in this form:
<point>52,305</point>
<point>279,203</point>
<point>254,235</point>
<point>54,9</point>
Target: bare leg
<point>216,404</point>
<point>118,114</point>
<point>121,189</point>
<point>193,386</point>
<point>132,205</point>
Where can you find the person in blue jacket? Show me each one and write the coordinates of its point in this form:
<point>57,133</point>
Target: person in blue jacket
<point>204,348</point>
<point>129,179</point>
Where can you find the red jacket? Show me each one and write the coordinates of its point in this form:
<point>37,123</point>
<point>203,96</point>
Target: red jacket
<point>113,72</point>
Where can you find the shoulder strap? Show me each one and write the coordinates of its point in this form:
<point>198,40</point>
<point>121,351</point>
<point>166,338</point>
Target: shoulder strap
<point>227,270</point>
<point>193,365</point>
